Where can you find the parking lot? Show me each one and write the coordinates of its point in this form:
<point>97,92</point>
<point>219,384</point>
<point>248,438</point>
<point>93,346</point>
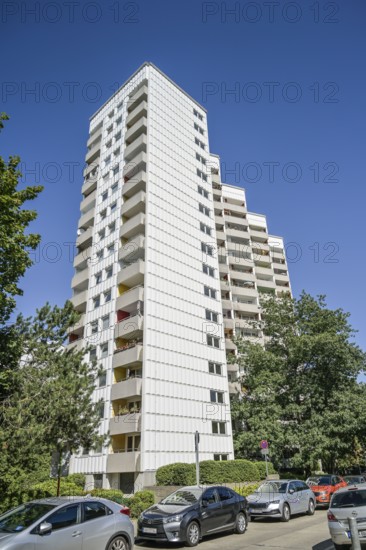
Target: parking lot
<point>300,533</point>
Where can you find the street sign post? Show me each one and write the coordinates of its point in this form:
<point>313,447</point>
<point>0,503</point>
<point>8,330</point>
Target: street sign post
<point>196,446</point>
<point>265,451</point>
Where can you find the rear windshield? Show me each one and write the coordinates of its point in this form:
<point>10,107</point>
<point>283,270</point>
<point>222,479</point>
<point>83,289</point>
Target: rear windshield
<point>321,480</point>
<point>22,517</point>
<point>349,499</point>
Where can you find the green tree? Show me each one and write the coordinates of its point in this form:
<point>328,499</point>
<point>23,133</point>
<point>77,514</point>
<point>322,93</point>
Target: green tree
<point>300,390</point>
<point>14,242</point>
<point>48,406</point>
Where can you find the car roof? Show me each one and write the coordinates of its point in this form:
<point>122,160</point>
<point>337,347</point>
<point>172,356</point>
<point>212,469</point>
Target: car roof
<point>58,501</point>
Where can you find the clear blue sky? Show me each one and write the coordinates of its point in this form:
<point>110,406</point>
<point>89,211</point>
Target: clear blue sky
<point>298,72</point>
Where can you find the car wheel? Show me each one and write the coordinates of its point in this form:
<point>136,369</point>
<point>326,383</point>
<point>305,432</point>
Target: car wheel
<point>285,513</point>
<point>118,543</point>
<point>241,523</point>
<point>311,508</point>
<point>192,534</point>
<point>340,546</point>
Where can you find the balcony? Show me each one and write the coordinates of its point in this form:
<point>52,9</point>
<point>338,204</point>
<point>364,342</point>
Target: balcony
<point>278,255</point>
<point>134,185</point>
<point>234,388</point>
<point>132,250</point>
<point>78,328</point>
<point>220,236</point>
<point>119,462</point>
<point>132,275</point>
<point>259,236</point>
<point>246,307</point>
<point>130,328</point>
<point>77,345</point>
<point>125,424</point>
<point>128,300</point>
<point>242,276</point>
<point>140,127</point>
<point>227,304</point>
<point>138,97</point>
<point>218,205</point>
<point>232,367</point>
<point>93,153</point>
<point>135,205</point>
<point>126,389</point>
<point>237,233</point>
<point>243,291</point>
<point>87,219</point>
<point>136,147</point>
<point>95,134</point>
<point>133,227</point>
<point>224,269</point>
<point>128,356</point>
<point>229,324</point>
<point>262,261</point>
<point>80,280</point>
<point>139,112</point>
<point>261,283</point>
<point>281,278</point>
<point>85,238</point>
<point>224,285</point>
<point>235,209</point>
<point>81,260</point>
<point>91,170</point>
<point>88,202</point>
<point>134,167</point>
<point>79,301</point>
<point>89,185</point>
<point>264,270</point>
<point>229,345</point>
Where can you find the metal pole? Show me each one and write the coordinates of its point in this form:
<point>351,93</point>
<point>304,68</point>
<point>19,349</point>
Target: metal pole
<point>265,458</point>
<point>354,534</point>
<point>196,443</point>
<point>59,473</point>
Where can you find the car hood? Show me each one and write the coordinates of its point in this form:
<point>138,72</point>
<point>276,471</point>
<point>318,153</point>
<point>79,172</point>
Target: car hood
<point>6,537</point>
<point>265,497</point>
<point>320,488</point>
<point>163,510</point>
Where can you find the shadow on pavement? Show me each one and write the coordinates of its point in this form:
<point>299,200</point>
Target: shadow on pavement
<point>325,545</point>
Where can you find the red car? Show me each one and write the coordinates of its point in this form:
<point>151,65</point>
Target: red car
<point>324,486</point>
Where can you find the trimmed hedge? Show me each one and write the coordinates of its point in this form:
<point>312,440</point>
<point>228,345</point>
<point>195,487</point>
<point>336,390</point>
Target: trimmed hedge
<point>211,471</point>
<point>262,469</point>
<point>246,490</point>
<point>140,501</point>
<point>48,489</point>
<point>178,473</point>
<point>111,494</point>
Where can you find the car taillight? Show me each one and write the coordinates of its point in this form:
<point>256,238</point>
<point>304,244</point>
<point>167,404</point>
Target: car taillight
<point>126,511</point>
<point>331,517</point>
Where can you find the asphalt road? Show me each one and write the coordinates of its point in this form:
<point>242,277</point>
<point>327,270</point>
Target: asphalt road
<point>300,533</point>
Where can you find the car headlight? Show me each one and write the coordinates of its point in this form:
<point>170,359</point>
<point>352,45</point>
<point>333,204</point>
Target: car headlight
<point>275,501</point>
<point>141,517</point>
<point>173,519</point>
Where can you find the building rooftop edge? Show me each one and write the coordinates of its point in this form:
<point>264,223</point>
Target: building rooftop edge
<point>147,64</point>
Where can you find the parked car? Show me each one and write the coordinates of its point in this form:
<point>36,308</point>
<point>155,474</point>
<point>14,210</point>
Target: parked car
<point>190,513</point>
<point>67,523</point>
<point>346,502</point>
<point>354,480</point>
<point>323,487</point>
<point>281,498</point>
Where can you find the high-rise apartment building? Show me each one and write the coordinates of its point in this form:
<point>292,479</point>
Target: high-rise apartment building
<point>169,266</point>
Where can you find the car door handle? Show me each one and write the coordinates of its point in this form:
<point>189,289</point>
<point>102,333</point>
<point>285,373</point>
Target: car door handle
<point>76,534</point>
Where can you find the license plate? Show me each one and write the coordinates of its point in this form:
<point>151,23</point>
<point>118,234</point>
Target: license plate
<point>349,534</point>
<point>150,530</point>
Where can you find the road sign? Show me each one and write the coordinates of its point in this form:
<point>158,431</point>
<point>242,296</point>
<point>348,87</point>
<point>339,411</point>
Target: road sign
<point>263,444</point>
<point>265,452</point>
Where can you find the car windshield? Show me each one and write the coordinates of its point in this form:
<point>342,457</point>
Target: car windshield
<point>320,480</point>
<point>273,487</point>
<point>183,497</point>
<point>22,517</point>
<point>353,479</point>
<point>349,499</point>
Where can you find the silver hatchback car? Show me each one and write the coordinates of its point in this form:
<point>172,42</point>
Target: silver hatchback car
<point>347,502</point>
<point>281,498</point>
<point>67,523</point>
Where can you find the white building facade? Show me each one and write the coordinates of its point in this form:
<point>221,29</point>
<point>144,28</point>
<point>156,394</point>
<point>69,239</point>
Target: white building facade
<point>169,262</point>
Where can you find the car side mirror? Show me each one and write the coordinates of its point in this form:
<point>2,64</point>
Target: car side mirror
<point>45,528</point>
<point>291,491</point>
<point>204,503</point>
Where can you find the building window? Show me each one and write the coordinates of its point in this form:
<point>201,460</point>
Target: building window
<point>114,187</point>
<point>110,115</point>
<point>100,254</point>
<point>221,457</point>
<point>100,409</point>
<point>109,272</point>
<point>102,379</point>
<point>96,301</point>
<point>208,291</point>
<point>116,152</point>
<point>112,227</point>
<point>107,296</point>
<point>199,142</point>
<point>200,158</point>
<point>212,316</point>
<point>109,144</point>
<point>218,428</point>
<point>208,270</point>
<point>93,354</point>
<point>203,177</point>
<point>101,234</point>
<point>109,129</point>
<point>115,169</point>
<point>214,368</point>
<point>205,229</point>
<point>117,136</point>
<point>202,191</point>
<point>119,106</point>
<point>213,341</point>
<point>105,322</point>
<point>104,350</point>
<point>197,114</point>
<point>198,128</point>
<point>202,208</point>
<point>107,160</point>
<point>94,327</point>
<point>113,207</point>
<point>110,249</point>
<point>104,196</point>
<point>119,120</point>
<point>98,278</point>
<point>216,396</point>
<point>207,249</point>
<point>103,214</point>
<point>98,481</point>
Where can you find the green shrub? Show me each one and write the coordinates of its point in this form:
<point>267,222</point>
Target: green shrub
<point>78,479</point>
<point>262,469</point>
<point>111,494</point>
<point>140,501</point>
<point>246,490</point>
<point>230,471</point>
<point>48,489</point>
<point>178,473</point>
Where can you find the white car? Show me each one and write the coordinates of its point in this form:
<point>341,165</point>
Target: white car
<point>347,502</point>
<point>67,523</point>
